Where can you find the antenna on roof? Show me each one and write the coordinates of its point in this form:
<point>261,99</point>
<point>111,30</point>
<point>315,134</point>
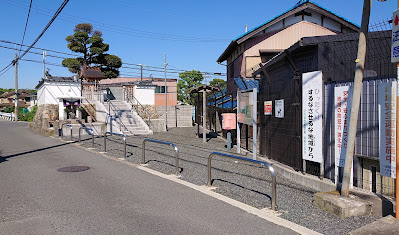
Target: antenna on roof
<point>246,28</point>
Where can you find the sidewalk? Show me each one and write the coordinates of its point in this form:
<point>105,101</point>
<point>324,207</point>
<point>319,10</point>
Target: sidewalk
<point>244,182</point>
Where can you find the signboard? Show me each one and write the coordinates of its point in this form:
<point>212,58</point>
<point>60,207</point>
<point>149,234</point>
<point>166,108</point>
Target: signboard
<point>395,37</point>
<point>387,131</point>
<point>268,107</point>
<point>279,112</point>
<point>312,120</point>
<point>342,112</point>
<point>244,108</point>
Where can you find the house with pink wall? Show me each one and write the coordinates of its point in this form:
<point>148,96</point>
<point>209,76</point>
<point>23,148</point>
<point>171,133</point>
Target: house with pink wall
<point>250,51</point>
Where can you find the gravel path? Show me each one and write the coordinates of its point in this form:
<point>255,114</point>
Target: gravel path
<point>244,182</point>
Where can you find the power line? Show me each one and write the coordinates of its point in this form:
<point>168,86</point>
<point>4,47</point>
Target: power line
<point>41,34</point>
<point>153,68</point>
<point>123,30</point>
<point>26,25</point>
<point>45,28</point>
<point>38,48</point>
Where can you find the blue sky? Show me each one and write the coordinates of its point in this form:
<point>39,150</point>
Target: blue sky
<point>193,34</point>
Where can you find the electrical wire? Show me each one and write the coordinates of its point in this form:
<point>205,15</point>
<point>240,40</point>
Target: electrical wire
<point>121,29</point>
<point>45,28</point>
<point>26,25</point>
<point>40,35</point>
<point>145,68</point>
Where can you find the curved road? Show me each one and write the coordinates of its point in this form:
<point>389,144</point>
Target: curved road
<point>109,198</point>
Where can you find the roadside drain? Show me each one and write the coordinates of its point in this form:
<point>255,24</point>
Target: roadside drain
<point>73,169</point>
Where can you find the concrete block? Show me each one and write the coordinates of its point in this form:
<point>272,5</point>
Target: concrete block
<point>387,225</point>
<point>341,206</point>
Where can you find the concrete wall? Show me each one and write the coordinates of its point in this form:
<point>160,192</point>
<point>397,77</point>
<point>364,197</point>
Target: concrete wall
<point>183,113</point>
<point>117,92</point>
<point>145,94</point>
<point>102,116</point>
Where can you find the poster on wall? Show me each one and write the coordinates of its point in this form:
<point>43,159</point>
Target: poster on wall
<point>342,104</point>
<point>312,120</point>
<point>279,104</point>
<point>268,107</point>
<point>387,127</point>
<point>244,109</point>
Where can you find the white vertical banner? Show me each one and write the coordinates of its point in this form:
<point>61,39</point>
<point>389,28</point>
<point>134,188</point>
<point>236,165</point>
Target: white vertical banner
<point>387,92</point>
<point>312,116</point>
<point>342,113</point>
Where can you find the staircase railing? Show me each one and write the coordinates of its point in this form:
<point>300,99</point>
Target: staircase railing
<point>143,108</point>
<point>119,115</point>
<point>89,111</point>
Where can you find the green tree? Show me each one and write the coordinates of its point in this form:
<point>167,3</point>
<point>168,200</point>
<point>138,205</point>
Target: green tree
<point>219,83</point>
<point>89,43</point>
<point>188,80</point>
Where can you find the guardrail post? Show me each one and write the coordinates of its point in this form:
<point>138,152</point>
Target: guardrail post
<point>92,138</point>
<point>270,168</point>
<point>105,142</point>
<point>162,142</point>
<point>143,151</point>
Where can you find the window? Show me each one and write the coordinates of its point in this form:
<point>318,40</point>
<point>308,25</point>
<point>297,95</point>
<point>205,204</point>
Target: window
<point>160,89</point>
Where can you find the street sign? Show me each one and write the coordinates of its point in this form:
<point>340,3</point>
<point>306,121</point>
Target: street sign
<point>395,37</point>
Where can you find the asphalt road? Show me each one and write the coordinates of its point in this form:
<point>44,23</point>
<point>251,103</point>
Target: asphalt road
<point>109,198</point>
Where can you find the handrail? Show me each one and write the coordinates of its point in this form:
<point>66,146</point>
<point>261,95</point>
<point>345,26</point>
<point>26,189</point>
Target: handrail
<point>166,143</point>
<point>111,133</point>
<point>144,108</point>
<point>62,130</point>
<point>109,113</point>
<point>88,102</point>
<point>274,192</point>
<point>92,134</point>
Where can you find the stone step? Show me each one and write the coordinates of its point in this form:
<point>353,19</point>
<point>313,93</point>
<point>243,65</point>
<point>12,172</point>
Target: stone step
<point>139,132</point>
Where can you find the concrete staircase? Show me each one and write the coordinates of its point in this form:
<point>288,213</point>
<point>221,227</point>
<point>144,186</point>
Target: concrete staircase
<point>127,119</point>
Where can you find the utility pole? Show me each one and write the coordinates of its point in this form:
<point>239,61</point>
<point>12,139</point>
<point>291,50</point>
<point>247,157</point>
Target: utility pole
<point>16,87</point>
<point>166,96</point>
<point>357,88</point>
<point>141,68</point>
<point>44,64</point>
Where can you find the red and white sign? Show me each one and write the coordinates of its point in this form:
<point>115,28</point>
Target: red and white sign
<point>342,115</point>
<point>268,105</point>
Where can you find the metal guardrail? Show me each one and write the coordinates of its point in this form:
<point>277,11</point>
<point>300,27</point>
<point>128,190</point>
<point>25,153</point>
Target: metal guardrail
<point>7,116</point>
<point>144,109</point>
<point>92,134</point>
<point>270,168</point>
<point>124,141</point>
<point>62,129</point>
<point>166,143</point>
<point>119,116</point>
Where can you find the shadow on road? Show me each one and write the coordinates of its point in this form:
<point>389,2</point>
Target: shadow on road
<point>4,158</point>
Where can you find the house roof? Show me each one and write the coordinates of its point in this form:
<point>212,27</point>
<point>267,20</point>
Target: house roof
<point>313,41</point>
<point>125,80</point>
<point>50,78</point>
<point>297,8</point>
<point>201,88</point>
<point>21,94</point>
<point>91,72</point>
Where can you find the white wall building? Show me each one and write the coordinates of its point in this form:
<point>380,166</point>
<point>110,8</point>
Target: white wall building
<point>64,91</point>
